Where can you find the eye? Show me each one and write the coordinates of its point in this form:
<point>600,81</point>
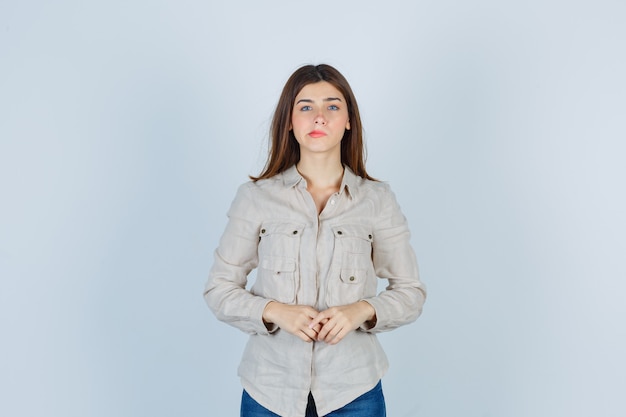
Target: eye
<point>333,107</point>
<point>305,108</point>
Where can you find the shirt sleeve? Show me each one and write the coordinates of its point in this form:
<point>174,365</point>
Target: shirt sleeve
<point>225,291</point>
<point>394,259</point>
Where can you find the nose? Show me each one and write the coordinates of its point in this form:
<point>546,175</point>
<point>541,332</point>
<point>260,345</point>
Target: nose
<point>320,119</point>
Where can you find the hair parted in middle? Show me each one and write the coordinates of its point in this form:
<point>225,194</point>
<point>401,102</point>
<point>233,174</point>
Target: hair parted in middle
<point>284,150</point>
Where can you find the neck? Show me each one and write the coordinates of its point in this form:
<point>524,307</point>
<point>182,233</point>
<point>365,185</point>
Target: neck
<point>321,172</point>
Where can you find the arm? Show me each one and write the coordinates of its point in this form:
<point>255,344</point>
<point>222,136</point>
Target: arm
<point>225,291</point>
<point>394,259</point>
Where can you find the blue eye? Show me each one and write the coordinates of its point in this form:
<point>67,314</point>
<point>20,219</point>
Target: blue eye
<point>305,108</point>
<point>333,107</point>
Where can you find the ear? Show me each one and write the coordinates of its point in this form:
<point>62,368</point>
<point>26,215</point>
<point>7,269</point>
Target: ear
<point>348,125</point>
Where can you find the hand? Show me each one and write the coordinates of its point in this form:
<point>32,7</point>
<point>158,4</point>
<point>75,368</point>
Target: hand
<point>337,322</point>
<point>294,319</point>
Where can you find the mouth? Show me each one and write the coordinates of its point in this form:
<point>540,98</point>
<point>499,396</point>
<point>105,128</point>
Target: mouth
<point>317,134</point>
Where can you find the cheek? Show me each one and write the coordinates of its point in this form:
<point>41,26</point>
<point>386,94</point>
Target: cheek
<point>297,127</point>
<point>340,120</point>
<point>298,122</point>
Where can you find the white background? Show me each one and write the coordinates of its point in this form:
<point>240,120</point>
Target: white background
<point>126,126</point>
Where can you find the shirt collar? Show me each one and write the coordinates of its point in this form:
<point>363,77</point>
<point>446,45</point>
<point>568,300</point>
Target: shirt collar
<point>350,182</point>
<point>291,178</point>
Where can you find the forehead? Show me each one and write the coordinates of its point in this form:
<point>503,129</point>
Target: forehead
<point>319,90</point>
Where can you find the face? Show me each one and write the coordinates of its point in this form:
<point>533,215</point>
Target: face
<point>319,119</point>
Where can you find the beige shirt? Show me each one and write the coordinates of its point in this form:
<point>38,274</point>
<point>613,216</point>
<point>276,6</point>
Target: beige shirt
<point>324,260</point>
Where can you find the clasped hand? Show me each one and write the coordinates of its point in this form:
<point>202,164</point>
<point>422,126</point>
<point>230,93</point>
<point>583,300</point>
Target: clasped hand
<point>330,325</point>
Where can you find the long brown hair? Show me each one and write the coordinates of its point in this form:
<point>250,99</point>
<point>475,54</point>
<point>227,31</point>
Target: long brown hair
<point>284,150</point>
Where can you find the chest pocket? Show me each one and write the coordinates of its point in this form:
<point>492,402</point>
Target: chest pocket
<point>353,275</point>
<point>353,238</point>
<point>278,275</point>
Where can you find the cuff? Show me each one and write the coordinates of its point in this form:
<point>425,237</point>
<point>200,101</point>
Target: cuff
<point>370,324</point>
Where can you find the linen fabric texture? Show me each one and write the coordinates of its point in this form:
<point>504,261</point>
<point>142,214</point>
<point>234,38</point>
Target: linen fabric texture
<point>331,259</point>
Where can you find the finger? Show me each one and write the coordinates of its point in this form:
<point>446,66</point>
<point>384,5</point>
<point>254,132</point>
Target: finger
<point>304,336</point>
<point>325,330</point>
<point>319,318</point>
<point>317,329</point>
<point>339,336</point>
<point>312,333</point>
<point>332,335</point>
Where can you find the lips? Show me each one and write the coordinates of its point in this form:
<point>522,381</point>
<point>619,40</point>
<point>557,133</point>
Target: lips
<point>317,134</point>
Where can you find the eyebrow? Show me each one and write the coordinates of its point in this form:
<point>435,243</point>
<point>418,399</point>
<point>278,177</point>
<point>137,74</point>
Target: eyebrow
<point>308,100</point>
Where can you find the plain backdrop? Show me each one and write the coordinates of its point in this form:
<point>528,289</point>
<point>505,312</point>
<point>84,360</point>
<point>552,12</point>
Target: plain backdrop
<point>126,126</point>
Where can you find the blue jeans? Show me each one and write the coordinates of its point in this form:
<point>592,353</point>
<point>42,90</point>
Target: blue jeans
<point>370,404</point>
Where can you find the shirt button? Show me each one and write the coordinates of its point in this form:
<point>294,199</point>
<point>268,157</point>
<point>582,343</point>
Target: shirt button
<point>339,232</point>
<point>332,202</point>
<point>295,232</point>
<point>262,230</point>
<point>351,278</point>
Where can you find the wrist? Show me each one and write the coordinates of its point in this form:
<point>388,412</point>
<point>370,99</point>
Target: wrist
<point>267,312</point>
<point>369,310</point>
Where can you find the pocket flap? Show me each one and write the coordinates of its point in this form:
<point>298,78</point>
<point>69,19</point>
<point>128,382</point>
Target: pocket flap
<point>352,231</point>
<point>287,229</point>
<point>352,275</point>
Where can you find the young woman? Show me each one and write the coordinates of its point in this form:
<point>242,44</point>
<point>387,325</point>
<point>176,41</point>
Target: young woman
<point>319,231</point>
